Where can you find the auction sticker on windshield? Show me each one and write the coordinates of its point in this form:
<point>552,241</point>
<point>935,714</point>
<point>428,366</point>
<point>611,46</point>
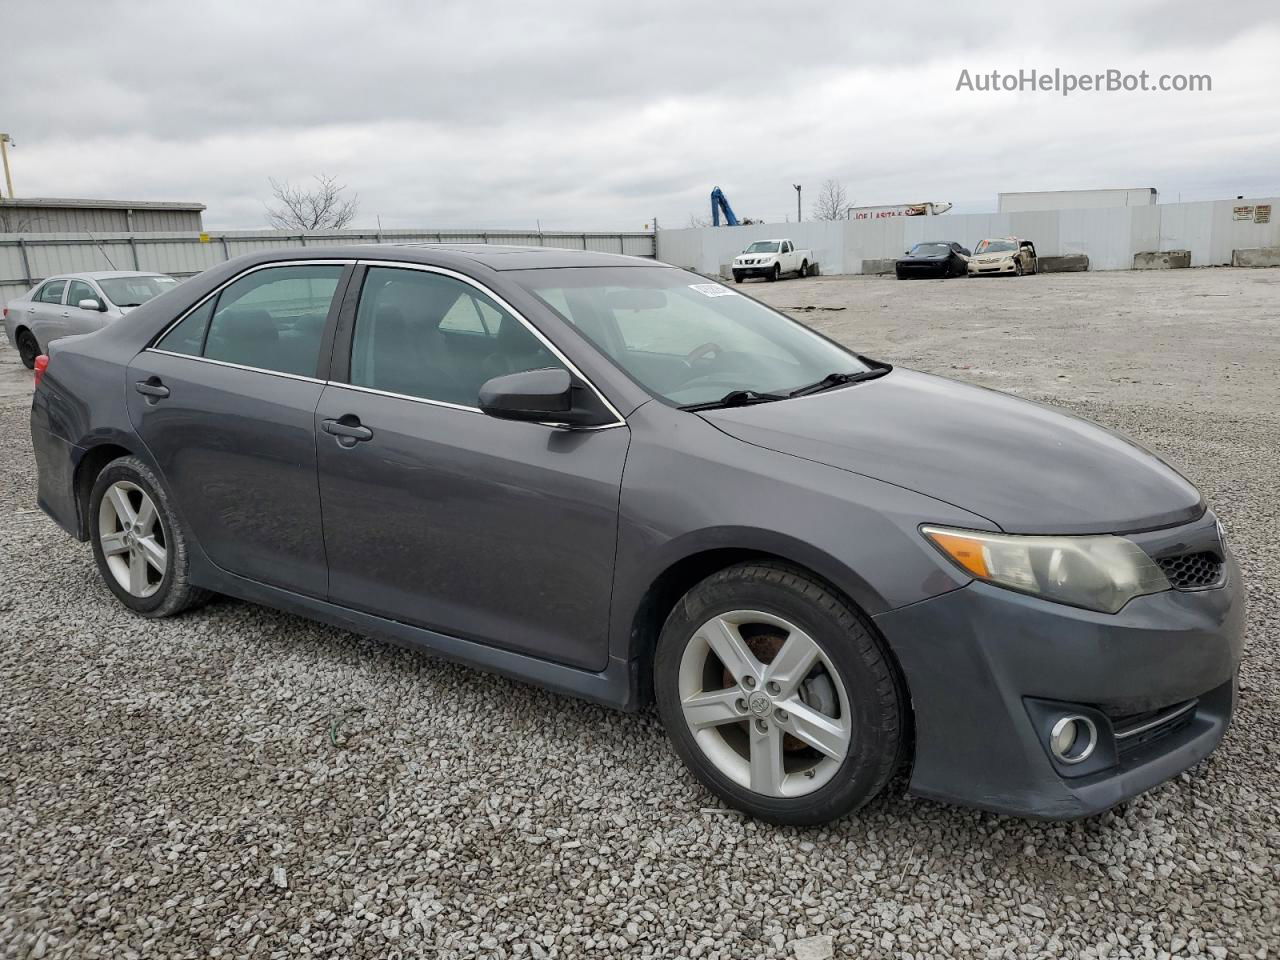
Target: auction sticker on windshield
<point>712,290</point>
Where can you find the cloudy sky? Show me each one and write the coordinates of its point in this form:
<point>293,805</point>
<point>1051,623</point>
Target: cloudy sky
<point>604,115</point>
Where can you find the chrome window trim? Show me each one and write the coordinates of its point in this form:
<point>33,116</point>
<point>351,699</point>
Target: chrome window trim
<point>620,420</point>
<point>236,366</point>
<point>222,286</point>
<point>397,264</point>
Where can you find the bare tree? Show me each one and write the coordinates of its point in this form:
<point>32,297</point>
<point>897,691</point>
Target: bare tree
<point>832,201</point>
<point>322,208</point>
<point>12,222</point>
<point>696,221</point>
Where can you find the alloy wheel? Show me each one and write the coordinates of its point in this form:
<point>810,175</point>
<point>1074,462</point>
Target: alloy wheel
<point>132,538</point>
<point>765,704</point>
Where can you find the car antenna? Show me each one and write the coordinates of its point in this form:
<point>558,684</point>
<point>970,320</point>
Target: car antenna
<point>100,249</point>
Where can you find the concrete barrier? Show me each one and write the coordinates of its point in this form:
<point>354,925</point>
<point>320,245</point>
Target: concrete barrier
<point>1256,257</point>
<point>1162,260</point>
<point>1069,263</point>
<point>878,266</point>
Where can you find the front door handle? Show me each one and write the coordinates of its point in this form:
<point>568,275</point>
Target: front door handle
<point>152,387</point>
<point>348,430</point>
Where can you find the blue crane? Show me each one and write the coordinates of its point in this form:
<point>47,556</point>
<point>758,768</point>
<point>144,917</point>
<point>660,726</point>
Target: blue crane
<point>719,203</point>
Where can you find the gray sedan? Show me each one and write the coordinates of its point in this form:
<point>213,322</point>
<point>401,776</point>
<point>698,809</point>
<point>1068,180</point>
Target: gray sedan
<point>629,483</point>
<point>72,303</point>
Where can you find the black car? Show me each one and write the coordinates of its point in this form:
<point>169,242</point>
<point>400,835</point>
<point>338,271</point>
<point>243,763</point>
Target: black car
<point>936,258</point>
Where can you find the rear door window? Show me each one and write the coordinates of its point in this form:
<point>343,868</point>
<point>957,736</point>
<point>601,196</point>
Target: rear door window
<point>51,292</point>
<point>271,319</point>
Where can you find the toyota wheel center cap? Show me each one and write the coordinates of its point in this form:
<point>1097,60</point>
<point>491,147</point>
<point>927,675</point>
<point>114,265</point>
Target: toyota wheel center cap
<point>759,704</point>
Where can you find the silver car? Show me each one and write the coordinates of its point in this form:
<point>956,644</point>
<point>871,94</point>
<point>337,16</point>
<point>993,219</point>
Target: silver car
<point>76,303</point>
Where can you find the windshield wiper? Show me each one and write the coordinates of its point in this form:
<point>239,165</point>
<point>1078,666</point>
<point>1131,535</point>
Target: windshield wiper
<point>736,398</point>
<point>877,369</point>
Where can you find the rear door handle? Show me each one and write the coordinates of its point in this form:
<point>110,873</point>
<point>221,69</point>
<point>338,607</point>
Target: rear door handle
<point>152,388</point>
<point>351,431</point>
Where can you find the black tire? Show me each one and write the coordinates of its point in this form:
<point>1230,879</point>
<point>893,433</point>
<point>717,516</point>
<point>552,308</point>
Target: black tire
<point>28,348</point>
<point>804,269</point>
<point>851,645</point>
<point>775,273</point>
<point>737,277</point>
<point>175,592</point>
<point>900,275</point>
<point>1017,268</point>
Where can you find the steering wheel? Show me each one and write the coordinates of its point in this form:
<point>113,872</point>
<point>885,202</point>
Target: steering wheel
<point>703,353</point>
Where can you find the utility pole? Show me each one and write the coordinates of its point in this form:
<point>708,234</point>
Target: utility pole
<point>5,140</point>
<point>797,186</point>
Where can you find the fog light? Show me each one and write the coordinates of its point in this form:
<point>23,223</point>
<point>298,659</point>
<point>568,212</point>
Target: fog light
<point>1073,738</point>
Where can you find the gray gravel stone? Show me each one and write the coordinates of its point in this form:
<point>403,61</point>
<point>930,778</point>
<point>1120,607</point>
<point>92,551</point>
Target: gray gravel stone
<point>152,774</point>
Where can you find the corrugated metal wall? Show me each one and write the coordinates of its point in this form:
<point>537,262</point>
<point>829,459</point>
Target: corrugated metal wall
<point>19,218</point>
<point>1110,236</point>
<point>27,259</point>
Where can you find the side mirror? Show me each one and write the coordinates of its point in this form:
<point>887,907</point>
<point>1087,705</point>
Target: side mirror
<point>88,304</point>
<point>540,396</point>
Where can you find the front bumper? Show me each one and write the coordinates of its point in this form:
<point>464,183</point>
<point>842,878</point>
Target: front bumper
<point>916,268</point>
<point>989,670</point>
<point>755,270</point>
<point>984,269</point>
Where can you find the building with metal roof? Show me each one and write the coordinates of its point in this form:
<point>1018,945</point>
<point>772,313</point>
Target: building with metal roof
<point>58,215</point>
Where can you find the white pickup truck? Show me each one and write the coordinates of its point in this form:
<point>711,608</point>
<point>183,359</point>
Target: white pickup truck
<point>771,259</point>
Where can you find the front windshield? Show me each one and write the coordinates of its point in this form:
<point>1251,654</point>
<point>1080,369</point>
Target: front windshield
<point>763,246</point>
<point>135,291</point>
<point>684,338</point>
<point>930,250</point>
<point>996,246</point>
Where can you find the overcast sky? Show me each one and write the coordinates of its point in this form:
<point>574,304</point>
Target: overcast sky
<point>603,115</point>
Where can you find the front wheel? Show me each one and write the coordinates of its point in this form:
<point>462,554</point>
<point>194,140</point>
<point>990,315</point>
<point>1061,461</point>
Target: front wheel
<point>775,273</point>
<point>737,277</point>
<point>1017,268</point>
<point>139,542</point>
<point>777,694</point>
<point>28,348</point>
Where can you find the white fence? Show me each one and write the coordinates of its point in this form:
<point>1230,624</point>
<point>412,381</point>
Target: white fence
<point>1109,236</point>
<point>25,259</point>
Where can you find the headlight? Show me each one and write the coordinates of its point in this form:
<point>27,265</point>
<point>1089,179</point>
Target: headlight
<point>1097,573</point>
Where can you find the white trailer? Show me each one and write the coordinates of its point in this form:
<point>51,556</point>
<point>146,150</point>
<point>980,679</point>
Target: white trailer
<point>1077,199</point>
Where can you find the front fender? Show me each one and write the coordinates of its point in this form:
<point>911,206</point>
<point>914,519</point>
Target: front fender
<point>688,489</point>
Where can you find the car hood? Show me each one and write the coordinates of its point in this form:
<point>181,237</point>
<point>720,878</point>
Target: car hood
<point>1026,467</point>
<point>999,255</point>
<point>925,258</point>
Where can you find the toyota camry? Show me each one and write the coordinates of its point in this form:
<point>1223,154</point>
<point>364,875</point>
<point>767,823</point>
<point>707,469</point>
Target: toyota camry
<point>629,483</point>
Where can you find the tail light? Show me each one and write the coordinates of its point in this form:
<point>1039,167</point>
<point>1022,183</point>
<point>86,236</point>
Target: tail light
<point>42,364</point>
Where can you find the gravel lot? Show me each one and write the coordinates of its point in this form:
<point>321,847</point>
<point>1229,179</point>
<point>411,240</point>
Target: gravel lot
<point>239,782</point>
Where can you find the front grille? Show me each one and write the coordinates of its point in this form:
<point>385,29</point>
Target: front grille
<point>1192,571</point>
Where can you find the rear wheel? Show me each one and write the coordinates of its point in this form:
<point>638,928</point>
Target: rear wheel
<point>804,269</point>
<point>28,348</point>
<point>138,541</point>
<point>777,695</point>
